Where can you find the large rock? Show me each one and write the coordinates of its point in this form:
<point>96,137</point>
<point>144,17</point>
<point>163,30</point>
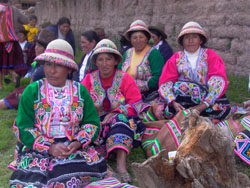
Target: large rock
<point>205,158</point>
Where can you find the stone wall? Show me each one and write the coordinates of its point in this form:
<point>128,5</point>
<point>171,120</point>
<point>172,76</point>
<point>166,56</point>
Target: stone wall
<point>226,21</point>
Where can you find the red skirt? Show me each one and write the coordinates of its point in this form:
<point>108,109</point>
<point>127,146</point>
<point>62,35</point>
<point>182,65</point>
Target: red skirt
<point>13,60</point>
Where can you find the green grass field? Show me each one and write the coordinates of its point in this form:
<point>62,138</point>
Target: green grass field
<point>237,92</point>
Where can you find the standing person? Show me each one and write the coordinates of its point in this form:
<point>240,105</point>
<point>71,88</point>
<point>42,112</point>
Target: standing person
<point>31,28</point>
<point>195,77</point>
<point>89,39</point>
<point>142,62</point>
<point>114,93</point>
<point>63,31</point>
<point>160,43</point>
<point>56,122</point>
<point>11,55</point>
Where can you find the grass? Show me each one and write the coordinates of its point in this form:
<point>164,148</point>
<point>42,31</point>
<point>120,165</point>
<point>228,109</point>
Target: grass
<point>237,92</point>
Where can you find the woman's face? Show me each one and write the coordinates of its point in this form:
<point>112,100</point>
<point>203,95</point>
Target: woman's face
<point>106,64</point>
<point>86,45</point>
<point>64,28</point>
<point>191,42</point>
<point>39,49</point>
<point>155,38</point>
<point>56,74</point>
<point>138,40</point>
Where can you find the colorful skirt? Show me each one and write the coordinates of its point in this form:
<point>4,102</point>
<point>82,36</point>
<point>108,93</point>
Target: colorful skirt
<point>190,94</point>
<point>13,60</point>
<point>42,170</point>
<point>120,132</point>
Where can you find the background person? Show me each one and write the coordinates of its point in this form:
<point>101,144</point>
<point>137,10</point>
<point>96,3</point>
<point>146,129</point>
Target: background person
<point>160,43</point>
<point>142,62</point>
<point>89,39</point>
<point>31,28</point>
<point>63,31</point>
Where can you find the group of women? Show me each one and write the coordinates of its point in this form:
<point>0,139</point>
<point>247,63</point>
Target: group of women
<point>61,140</point>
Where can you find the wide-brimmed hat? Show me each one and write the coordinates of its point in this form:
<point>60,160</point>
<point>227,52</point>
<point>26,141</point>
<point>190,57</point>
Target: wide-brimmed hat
<point>100,32</point>
<point>159,27</point>
<point>60,52</point>
<point>106,46</point>
<point>192,27</point>
<point>44,37</point>
<point>137,25</point>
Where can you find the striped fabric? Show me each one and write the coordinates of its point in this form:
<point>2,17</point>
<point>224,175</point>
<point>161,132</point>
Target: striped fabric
<point>109,182</point>
<point>7,33</point>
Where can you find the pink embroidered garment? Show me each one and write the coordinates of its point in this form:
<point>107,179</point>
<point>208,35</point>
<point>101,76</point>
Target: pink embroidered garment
<point>209,71</point>
<point>123,93</point>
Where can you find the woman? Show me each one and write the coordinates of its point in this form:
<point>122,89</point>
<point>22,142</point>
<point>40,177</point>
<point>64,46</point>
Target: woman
<point>55,124</point>
<point>11,55</point>
<point>195,77</point>
<point>89,39</point>
<point>63,31</point>
<point>12,100</point>
<point>142,62</point>
<point>160,43</point>
<point>115,94</point>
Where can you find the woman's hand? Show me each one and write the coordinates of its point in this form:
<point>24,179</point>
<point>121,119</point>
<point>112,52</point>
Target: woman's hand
<point>177,106</point>
<point>200,107</point>
<point>107,118</point>
<point>57,150</point>
<point>72,148</point>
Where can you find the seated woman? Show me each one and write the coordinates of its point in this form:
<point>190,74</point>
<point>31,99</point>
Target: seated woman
<point>89,39</point>
<point>160,43</point>
<point>114,93</point>
<point>56,122</point>
<point>195,77</point>
<point>142,62</point>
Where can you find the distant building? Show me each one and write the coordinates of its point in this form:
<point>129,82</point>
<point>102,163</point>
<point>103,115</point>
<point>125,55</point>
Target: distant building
<point>23,4</point>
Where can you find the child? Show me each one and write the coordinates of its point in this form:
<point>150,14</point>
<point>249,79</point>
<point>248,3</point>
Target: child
<point>31,28</point>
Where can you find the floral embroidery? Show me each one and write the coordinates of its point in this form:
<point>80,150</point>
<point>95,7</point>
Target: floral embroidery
<point>166,93</point>
<point>73,183</point>
<point>43,164</point>
<point>116,98</point>
<point>143,70</point>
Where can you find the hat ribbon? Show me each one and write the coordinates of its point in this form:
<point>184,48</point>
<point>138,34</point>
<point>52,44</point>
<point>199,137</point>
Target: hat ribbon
<point>61,52</point>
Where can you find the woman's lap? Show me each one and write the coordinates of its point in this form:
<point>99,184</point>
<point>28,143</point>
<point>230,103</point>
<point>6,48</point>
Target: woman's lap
<point>122,132</point>
<point>36,169</point>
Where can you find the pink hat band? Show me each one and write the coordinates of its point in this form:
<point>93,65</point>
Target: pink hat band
<point>61,52</point>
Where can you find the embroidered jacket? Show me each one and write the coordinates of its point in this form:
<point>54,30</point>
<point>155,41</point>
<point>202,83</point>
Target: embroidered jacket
<point>209,72</point>
<point>148,71</point>
<point>122,95</point>
<point>36,115</point>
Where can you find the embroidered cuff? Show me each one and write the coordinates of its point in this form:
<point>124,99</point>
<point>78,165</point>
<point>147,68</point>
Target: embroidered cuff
<point>166,93</point>
<point>91,130</point>
<point>83,137</point>
<point>42,144</point>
